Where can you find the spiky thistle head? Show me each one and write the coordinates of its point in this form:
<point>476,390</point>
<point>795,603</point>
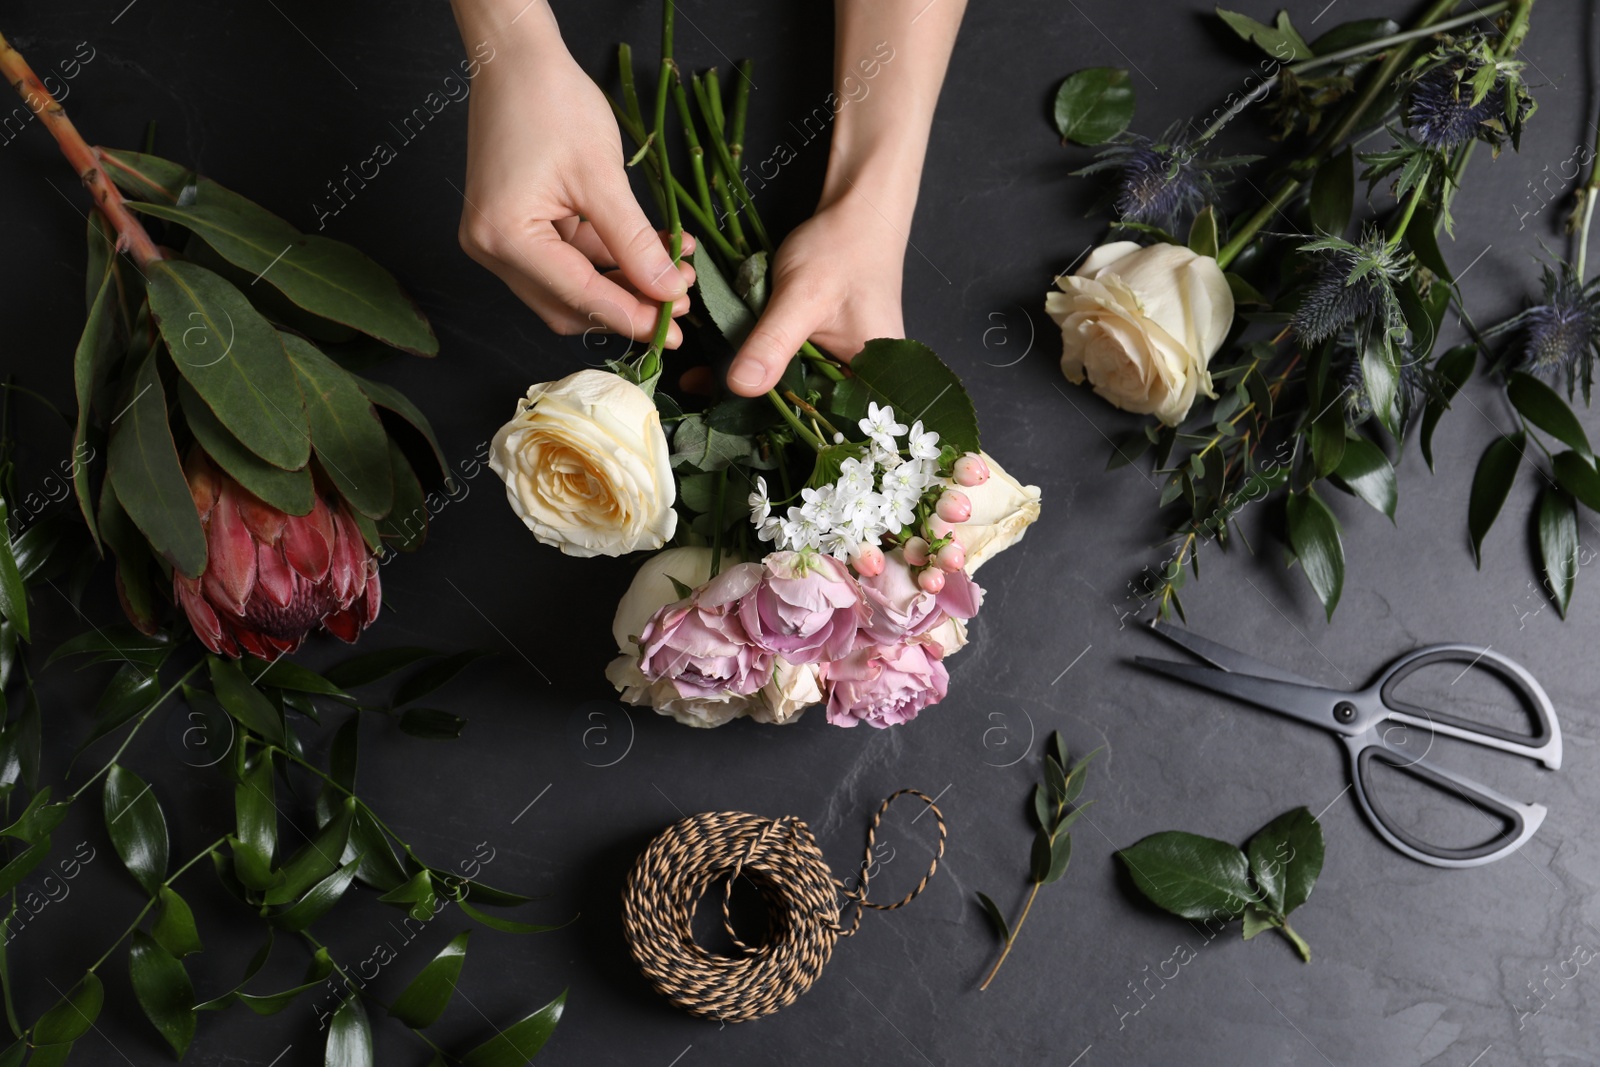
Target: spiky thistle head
<point>1160,183</point>
<point>1561,336</point>
<point>1441,112</point>
<point>1352,282</point>
<point>1413,385</point>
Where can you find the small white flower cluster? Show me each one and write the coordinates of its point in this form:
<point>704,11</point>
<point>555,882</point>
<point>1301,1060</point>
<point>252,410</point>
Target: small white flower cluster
<point>872,496</point>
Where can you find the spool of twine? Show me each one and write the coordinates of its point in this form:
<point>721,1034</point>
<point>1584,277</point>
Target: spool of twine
<point>781,859</point>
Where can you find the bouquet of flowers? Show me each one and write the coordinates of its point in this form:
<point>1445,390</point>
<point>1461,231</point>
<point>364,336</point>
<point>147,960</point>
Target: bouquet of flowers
<point>1353,297</point>
<point>823,537</point>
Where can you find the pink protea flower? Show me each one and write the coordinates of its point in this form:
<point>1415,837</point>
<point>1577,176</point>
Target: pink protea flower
<point>272,578</point>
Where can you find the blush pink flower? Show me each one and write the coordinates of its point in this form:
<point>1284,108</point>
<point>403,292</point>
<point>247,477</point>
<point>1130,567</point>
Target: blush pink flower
<point>272,578</point>
<point>806,608</point>
<point>884,686</point>
<point>699,644</point>
<point>900,608</point>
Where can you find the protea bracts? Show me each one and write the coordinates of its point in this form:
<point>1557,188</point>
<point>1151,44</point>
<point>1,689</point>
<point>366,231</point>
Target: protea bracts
<point>272,578</point>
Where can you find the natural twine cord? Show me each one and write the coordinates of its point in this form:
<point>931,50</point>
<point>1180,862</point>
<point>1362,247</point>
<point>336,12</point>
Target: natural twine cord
<point>781,859</point>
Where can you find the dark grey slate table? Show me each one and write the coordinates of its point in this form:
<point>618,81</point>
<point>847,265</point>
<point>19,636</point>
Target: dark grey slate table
<point>1413,965</point>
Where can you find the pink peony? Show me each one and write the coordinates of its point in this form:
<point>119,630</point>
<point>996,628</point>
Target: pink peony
<point>901,608</point>
<point>806,608</point>
<point>884,686</point>
<point>699,644</point>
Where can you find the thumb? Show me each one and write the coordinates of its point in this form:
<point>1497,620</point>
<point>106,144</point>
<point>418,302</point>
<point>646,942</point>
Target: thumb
<point>784,326</point>
<point>633,242</point>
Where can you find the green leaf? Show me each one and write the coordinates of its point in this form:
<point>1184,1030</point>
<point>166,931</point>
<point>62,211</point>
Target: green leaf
<point>1333,194</point>
<point>729,312</point>
<point>907,376</point>
<point>13,597</point>
<point>291,492</point>
<point>89,362</point>
<point>1056,778</point>
<point>38,819</point>
<point>1328,438</point>
<point>1282,43</point>
<point>1382,377</point>
<point>138,829</point>
<point>392,399</point>
<point>699,445</point>
<point>995,917</point>
<point>143,469</point>
<point>163,990</point>
<point>256,823</point>
<point>1040,859</point>
<point>174,928</point>
<point>1314,536</point>
<point>505,926</point>
<point>1191,876</point>
<point>379,868</point>
<point>72,1015</point>
<point>1060,856</point>
<point>349,1036</point>
<point>1423,237</point>
<point>1490,485</point>
<point>346,432</point>
<point>369,667</point>
<point>519,1042</point>
<point>1558,545</point>
<point>1367,472</point>
<point>1543,406</point>
<point>23,864</point>
<point>233,358</point>
<point>114,643</point>
<point>432,724</point>
<point>317,860</point>
<point>1578,476</point>
<point>1286,858</point>
<point>325,277</point>
<point>318,900</point>
<point>405,528</point>
<point>1203,236</point>
<point>750,281</point>
<point>417,894</point>
<point>1353,34</point>
<point>243,701</point>
<point>286,674</point>
<point>1256,920</point>
<point>1094,105</point>
<point>1243,293</point>
<point>435,675</point>
<point>1043,809</point>
<point>1452,370</point>
<point>421,1003</point>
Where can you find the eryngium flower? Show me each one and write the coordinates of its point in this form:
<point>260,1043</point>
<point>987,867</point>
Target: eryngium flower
<point>1561,336</point>
<point>1358,398</point>
<point>272,578</point>
<point>1352,282</point>
<point>1159,183</point>
<point>1441,113</point>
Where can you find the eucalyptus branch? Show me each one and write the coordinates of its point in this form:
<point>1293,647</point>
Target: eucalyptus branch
<point>131,234</point>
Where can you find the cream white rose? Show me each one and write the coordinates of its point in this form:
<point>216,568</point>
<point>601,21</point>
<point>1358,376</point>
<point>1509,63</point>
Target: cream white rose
<point>623,672</point>
<point>793,689</point>
<point>586,466</point>
<point>1002,510</point>
<point>1141,324</point>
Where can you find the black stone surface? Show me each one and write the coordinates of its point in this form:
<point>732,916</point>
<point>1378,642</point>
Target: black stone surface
<point>1412,965</point>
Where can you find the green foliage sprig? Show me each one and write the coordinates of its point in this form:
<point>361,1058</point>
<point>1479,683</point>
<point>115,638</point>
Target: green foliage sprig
<point>1055,809</point>
<point>1201,878</point>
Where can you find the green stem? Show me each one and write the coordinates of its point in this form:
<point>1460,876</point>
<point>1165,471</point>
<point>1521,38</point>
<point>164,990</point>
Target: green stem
<point>1591,192</point>
<point>697,154</point>
<point>741,105</point>
<point>720,143</point>
<point>137,723</point>
<point>816,415</point>
<point>630,100</point>
<point>366,809</point>
<point>1406,216</point>
<point>137,919</point>
<point>685,198</point>
<point>674,223</point>
<point>795,424</point>
<point>1006,951</point>
<point>716,536</point>
<point>828,366</point>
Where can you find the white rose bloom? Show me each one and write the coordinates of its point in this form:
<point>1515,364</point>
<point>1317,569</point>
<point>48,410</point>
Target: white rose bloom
<point>623,672</point>
<point>1141,324</point>
<point>950,636</point>
<point>794,687</point>
<point>1002,511</point>
<point>586,466</point>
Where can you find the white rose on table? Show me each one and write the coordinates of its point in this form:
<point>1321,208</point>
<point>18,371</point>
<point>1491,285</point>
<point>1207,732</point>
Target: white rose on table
<point>1002,511</point>
<point>586,466</point>
<point>1141,325</point>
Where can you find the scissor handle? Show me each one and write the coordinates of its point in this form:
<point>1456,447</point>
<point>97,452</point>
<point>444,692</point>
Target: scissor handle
<point>1543,745</point>
<point>1524,819</point>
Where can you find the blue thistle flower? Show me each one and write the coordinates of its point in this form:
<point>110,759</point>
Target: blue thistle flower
<point>1441,112</point>
<point>1414,386</point>
<point>1352,282</point>
<point>1560,336</point>
<point>1159,183</point>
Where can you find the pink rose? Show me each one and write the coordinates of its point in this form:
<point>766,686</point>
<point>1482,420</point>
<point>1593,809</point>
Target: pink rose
<point>806,608</point>
<point>901,608</point>
<point>884,686</point>
<point>699,644</point>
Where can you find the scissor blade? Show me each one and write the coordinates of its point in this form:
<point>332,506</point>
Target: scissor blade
<point>1223,657</point>
<point>1299,700</point>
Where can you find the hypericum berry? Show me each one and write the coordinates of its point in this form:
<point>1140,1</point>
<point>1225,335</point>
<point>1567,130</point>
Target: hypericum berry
<point>867,559</point>
<point>916,551</point>
<point>954,506</point>
<point>939,528</point>
<point>931,580</point>
<point>971,470</point>
<point>951,557</point>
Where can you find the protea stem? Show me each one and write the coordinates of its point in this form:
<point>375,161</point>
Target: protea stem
<point>131,235</point>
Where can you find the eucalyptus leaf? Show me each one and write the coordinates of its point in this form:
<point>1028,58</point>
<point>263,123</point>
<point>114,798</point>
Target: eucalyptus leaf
<point>137,828</point>
<point>1060,856</point>
<point>1094,106</point>
<point>163,990</point>
<point>993,912</point>
<point>1191,876</point>
<point>1558,545</point>
<point>1491,483</point>
<point>1314,536</point>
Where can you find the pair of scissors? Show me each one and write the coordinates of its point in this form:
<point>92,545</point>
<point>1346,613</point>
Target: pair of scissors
<point>1365,718</point>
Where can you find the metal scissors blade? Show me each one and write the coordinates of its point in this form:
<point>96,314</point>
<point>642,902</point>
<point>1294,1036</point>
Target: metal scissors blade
<point>1311,704</point>
<point>1223,657</point>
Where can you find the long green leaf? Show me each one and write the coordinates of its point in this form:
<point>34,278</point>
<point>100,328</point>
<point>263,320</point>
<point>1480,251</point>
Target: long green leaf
<point>137,827</point>
<point>421,1003</point>
<point>1367,472</point>
<point>291,492</point>
<point>1453,369</point>
<point>1314,536</point>
<point>317,860</point>
<point>349,1036</point>
<point>318,900</point>
<point>163,990</point>
<point>1543,406</point>
<point>367,667</point>
<point>1558,545</point>
<point>144,471</point>
<point>13,597</point>
<point>909,377</point>
<point>346,432</point>
<point>1333,194</point>
<point>244,701</point>
<point>233,358</point>
<point>89,362</point>
<point>174,927</point>
<point>519,1042</point>
<point>1578,476</point>
<point>256,825</point>
<point>391,399</point>
<point>1491,483</point>
<point>72,1015</point>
